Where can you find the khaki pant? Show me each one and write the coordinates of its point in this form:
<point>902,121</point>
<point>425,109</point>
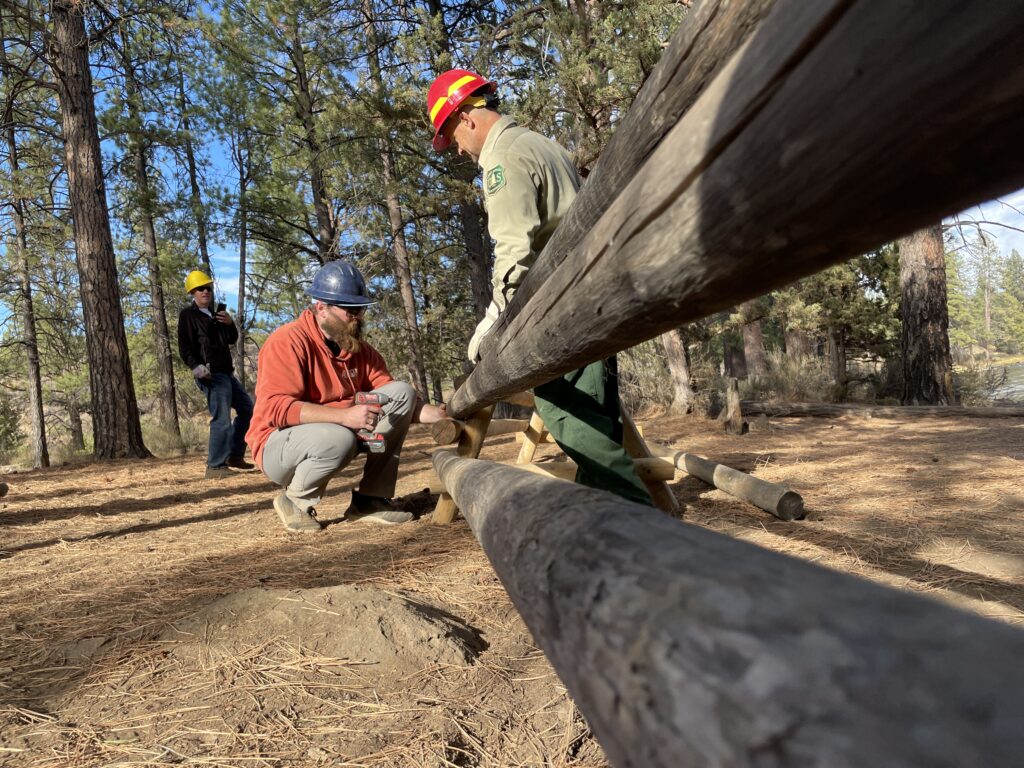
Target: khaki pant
<point>305,457</point>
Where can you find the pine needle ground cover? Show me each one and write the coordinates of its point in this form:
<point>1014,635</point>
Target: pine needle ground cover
<point>150,618</point>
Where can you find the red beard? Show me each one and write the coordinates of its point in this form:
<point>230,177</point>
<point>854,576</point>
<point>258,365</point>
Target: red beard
<point>345,333</point>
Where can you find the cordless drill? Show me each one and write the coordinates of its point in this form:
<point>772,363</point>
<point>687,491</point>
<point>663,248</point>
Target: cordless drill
<point>371,441</point>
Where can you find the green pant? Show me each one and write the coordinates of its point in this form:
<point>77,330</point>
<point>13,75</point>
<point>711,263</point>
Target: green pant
<point>581,411</point>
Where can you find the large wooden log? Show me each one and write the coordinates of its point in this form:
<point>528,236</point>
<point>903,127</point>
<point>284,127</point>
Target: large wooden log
<point>879,411</point>
<point>684,647</point>
<point>817,141</point>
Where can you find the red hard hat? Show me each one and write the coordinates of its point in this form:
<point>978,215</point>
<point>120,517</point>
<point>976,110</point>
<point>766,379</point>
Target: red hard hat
<point>446,95</point>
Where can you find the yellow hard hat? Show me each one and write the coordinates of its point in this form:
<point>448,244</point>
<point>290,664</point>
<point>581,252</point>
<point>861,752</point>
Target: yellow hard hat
<point>196,279</point>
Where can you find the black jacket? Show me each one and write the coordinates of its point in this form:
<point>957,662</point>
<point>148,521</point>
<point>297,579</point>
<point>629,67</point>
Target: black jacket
<point>204,341</point>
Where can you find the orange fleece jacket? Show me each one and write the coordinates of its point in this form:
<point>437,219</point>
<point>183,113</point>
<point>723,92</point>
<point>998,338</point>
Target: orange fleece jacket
<point>296,366</point>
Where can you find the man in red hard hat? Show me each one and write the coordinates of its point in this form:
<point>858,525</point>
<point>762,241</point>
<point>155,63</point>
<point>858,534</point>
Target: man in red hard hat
<point>529,184</point>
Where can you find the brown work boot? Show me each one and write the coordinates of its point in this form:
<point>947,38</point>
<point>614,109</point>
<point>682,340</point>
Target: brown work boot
<point>219,473</point>
<point>375,509</point>
<point>293,518</point>
<point>239,462</point>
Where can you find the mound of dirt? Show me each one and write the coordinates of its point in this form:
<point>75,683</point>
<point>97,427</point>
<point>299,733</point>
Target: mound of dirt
<point>390,633</point>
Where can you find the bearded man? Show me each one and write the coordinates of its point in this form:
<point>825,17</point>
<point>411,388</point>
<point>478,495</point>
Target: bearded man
<point>311,408</point>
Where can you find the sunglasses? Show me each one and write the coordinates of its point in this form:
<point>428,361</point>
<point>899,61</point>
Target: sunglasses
<point>204,289</point>
<point>354,311</point>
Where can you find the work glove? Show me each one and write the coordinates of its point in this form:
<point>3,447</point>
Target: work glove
<point>202,372</point>
<point>482,329</point>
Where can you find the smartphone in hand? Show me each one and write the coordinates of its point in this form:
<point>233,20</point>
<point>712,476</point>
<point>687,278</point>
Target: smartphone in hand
<point>222,307</point>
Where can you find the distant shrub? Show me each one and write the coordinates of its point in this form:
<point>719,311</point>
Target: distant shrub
<point>790,378</point>
<point>974,384</point>
<point>10,427</point>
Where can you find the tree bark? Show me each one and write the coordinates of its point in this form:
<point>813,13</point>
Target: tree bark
<point>75,423</point>
<point>798,343</point>
<point>678,358</point>
<point>242,155</point>
<point>472,216</point>
<point>327,231</point>
<point>403,269</point>
<point>837,359</point>
<point>37,421</point>
<point>680,650</point>
<point>753,341</point>
<point>478,247</point>
<point>167,400</point>
<point>927,361</point>
<point>195,195</point>
<point>117,431</point>
<point>710,220</point>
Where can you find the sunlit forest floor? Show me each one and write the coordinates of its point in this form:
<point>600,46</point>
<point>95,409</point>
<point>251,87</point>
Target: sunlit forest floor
<point>149,617</point>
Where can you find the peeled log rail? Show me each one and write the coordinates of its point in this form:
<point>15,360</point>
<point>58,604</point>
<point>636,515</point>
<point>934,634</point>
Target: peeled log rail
<point>782,410</point>
<point>771,497</point>
<point>817,141</point>
<point>680,650</point>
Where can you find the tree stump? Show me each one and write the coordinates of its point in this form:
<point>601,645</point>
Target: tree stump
<point>731,416</point>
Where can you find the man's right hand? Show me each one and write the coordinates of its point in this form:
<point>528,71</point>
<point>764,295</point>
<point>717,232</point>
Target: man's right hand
<point>359,417</point>
<point>202,372</point>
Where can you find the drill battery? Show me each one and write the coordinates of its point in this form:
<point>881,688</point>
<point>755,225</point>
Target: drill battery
<point>371,441</point>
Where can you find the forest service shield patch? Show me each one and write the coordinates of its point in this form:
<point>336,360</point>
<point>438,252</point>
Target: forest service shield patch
<point>495,179</point>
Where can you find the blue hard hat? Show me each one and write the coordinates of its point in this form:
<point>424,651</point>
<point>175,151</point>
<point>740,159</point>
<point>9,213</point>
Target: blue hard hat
<point>338,282</point>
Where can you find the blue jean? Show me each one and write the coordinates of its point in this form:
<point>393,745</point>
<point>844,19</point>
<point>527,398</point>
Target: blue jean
<point>224,392</point>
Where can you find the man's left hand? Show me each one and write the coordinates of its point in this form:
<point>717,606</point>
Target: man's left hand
<point>428,414</point>
<point>224,317</point>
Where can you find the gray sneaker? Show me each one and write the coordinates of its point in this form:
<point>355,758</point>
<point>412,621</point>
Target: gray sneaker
<point>374,509</point>
<point>293,518</point>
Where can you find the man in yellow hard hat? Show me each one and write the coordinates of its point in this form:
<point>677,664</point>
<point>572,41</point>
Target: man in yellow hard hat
<point>529,184</point>
<point>205,335</point>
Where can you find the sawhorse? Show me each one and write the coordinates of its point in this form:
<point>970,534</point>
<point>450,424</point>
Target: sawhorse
<point>653,471</point>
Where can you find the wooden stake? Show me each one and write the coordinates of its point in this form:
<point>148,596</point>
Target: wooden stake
<point>635,446</point>
<point>470,442</point>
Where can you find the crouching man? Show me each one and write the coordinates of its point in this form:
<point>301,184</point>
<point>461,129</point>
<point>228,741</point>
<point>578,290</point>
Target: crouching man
<point>311,421</point>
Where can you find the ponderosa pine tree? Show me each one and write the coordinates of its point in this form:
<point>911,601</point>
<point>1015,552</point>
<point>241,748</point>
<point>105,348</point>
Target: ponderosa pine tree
<point>117,429</point>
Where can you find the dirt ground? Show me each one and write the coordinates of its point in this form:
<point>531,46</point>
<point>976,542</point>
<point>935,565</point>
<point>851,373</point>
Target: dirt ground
<point>149,617</point>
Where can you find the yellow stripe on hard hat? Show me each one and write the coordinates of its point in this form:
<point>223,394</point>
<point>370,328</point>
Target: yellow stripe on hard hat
<point>451,89</point>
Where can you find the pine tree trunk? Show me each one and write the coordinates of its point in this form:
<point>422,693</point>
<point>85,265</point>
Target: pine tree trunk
<point>678,357</point>
<point>472,215</point>
<point>117,430</point>
<point>166,403</point>
<point>837,358</point>
<point>196,198</point>
<point>798,343</point>
<point>75,425</point>
<point>327,234</point>
<point>753,343</point>
<point>403,272</point>
<point>403,269</point>
<point>37,435</point>
<point>734,364</point>
<point>927,362</point>
<point>478,247</point>
<point>242,162</point>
